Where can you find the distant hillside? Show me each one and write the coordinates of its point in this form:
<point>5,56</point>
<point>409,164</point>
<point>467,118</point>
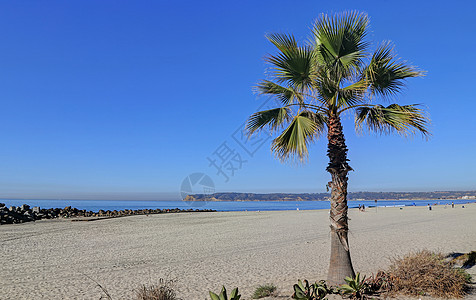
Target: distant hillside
<point>257,197</point>
<point>325,196</point>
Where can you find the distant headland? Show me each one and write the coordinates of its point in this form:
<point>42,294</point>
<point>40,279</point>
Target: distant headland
<point>438,195</point>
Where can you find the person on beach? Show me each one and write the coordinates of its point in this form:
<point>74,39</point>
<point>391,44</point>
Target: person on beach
<point>452,205</point>
<point>429,206</point>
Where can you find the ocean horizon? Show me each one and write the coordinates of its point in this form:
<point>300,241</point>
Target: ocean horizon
<point>96,205</point>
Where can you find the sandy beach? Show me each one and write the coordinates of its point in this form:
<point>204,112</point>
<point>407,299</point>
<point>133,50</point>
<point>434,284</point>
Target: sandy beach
<point>53,259</point>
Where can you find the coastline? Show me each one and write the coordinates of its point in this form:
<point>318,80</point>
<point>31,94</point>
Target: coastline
<point>297,200</point>
<point>355,196</point>
<point>97,205</point>
<point>50,258</point>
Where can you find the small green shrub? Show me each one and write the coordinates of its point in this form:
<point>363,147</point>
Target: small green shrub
<point>315,291</point>
<point>355,287</point>
<point>264,291</point>
<point>223,296</point>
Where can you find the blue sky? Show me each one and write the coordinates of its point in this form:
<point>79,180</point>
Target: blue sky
<point>124,99</point>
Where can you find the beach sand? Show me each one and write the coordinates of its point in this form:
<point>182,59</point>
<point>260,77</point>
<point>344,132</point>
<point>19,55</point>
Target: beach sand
<point>53,259</point>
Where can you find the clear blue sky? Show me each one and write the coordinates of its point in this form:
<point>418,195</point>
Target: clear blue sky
<point>124,99</point>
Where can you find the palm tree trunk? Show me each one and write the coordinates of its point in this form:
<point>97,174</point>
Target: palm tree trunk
<point>340,263</point>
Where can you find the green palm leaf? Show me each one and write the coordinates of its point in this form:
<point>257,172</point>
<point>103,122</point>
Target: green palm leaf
<point>293,65</point>
<point>340,42</point>
<point>317,118</point>
<point>284,94</point>
<point>406,119</point>
<point>294,140</point>
<point>352,95</point>
<point>386,73</point>
<point>272,118</point>
<point>283,42</point>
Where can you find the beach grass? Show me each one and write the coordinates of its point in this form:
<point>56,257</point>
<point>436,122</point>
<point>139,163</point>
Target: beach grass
<point>427,273</point>
<point>265,290</point>
<point>163,291</point>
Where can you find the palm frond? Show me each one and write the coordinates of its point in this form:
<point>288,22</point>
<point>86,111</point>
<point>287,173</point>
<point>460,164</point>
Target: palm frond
<point>294,140</point>
<point>340,41</point>
<point>294,66</point>
<point>285,95</point>
<point>273,119</point>
<point>405,119</point>
<point>352,94</point>
<point>318,118</point>
<point>386,72</point>
<point>326,88</point>
<point>282,41</point>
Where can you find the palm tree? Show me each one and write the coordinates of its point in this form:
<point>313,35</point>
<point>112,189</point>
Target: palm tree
<point>315,83</point>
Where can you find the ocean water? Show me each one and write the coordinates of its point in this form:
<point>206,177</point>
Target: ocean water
<point>96,205</point>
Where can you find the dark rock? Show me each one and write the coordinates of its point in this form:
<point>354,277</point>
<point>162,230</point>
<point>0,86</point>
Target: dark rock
<point>25,214</point>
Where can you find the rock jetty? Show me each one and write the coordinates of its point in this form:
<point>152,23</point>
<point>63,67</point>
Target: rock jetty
<point>24,213</point>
